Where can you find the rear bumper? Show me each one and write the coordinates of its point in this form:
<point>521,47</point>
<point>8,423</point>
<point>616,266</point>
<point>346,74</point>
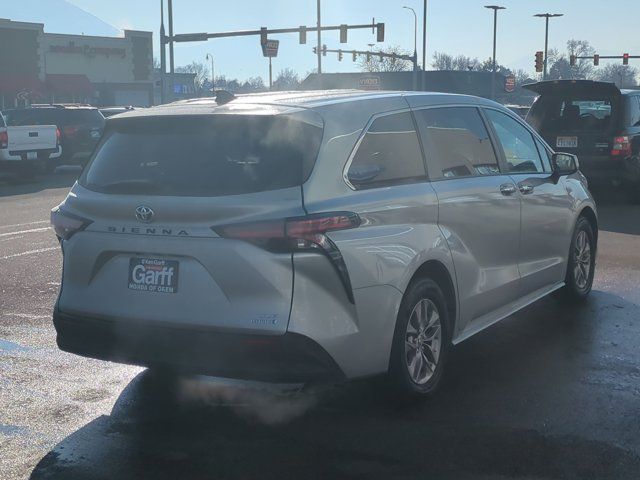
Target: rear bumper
<point>289,358</point>
<point>7,155</point>
<point>606,170</point>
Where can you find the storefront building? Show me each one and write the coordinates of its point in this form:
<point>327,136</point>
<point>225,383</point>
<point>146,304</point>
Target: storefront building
<point>39,67</point>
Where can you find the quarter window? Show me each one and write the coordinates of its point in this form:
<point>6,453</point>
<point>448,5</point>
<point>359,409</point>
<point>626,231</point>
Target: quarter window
<point>517,144</point>
<point>457,143</point>
<point>389,154</point>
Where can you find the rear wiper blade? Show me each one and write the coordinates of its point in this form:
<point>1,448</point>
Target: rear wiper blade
<point>124,186</point>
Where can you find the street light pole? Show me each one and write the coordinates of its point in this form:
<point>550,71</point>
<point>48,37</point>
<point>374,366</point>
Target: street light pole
<point>546,16</point>
<point>495,9</point>
<point>319,40</point>
<point>163,54</point>
<point>424,37</point>
<point>415,37</point>
<point>213,77</point>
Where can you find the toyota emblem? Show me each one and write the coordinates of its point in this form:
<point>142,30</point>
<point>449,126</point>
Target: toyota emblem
<point>144,214</point>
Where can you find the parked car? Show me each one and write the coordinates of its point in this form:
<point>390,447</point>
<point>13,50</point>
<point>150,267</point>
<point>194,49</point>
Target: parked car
<point>596,121</point>
<point>111,111</point>
<point>80,126</point>
<point>26,149</point>
<point>316,235</point>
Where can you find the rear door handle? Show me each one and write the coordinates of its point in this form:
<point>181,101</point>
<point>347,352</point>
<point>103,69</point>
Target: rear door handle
<point>507,189</point>
<point>525,188</point>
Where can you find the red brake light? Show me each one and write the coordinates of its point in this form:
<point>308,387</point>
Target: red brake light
<point>70,131</point>
<point>4,139</point>
<point>66,224</point>
<point>58,135</point>
<point>621,146</point>
<point>299,234</point>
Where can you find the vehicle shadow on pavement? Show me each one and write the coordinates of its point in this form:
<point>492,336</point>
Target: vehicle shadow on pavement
<point>9,186</point>
<point>523,399</point>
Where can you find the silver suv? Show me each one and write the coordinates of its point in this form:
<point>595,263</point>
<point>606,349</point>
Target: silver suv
<point>315,235</point>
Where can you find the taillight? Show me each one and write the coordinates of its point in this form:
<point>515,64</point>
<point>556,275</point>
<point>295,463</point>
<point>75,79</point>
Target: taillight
<point>4,139</point>
<point>70,131</point>
<point>621,147</point>
<point>66,224</point>
<point>58,135</point>
<point>298,234</point>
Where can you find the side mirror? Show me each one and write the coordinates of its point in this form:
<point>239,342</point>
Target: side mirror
<point>565,164</point>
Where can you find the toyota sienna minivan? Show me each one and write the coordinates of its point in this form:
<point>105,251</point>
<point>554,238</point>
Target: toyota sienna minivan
<point>315,236</point>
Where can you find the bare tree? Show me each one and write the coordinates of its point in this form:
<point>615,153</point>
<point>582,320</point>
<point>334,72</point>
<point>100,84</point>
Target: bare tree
<point>287,79</point>
<point>445,61</point>
<point>200,69</point>
<point>374,63</point>
<point>560,66</point>
<point>623,76</point>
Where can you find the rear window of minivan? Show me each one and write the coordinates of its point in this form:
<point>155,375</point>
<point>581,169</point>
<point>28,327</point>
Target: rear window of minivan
<point>554,113</point>
<point>199,155</point>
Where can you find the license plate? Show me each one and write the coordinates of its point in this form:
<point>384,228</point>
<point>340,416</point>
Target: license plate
<point>153,275</point>
<point>32,155</point>
<point>567,142</point>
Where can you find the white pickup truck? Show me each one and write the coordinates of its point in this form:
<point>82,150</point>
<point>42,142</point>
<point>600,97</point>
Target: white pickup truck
<point>25,150</point>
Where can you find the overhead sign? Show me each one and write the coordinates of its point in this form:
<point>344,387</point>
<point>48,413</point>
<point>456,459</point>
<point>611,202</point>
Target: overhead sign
<point>509,83</point>
<point>370,82</point>
<point>270,48</point>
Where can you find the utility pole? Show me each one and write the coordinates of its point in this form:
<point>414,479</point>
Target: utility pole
<point>546,16</point>
<point>213,77</point>
<point>163,53</point>
<point>319,39</point>
<point>270,75</point>
<point>495,9</point>
<point>171,59</point>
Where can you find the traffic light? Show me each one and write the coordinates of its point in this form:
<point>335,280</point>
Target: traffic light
<point>263,35</point>
<point>572,60</point>
<point>625,59</point>
<point>303,35</point>
<point>324,50</point>
<point>315,50</point>
<point>596,59</point>
<point>539,61</point>
<point>355,55</point>
<point>339,55</point>
<point>380,29</point>
<point>343,33</point>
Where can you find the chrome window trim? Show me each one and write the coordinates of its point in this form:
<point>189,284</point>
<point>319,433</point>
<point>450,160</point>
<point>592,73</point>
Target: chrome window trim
<point>365,130</point>
<point>478,107</point>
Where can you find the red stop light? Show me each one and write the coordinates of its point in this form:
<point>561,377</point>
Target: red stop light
<point>625,59</point>
<point>596,59</point>
<point>539,61</point>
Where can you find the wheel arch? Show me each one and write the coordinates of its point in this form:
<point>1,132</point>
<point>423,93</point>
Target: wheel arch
<point>588,213</point>
<point>439,273</point>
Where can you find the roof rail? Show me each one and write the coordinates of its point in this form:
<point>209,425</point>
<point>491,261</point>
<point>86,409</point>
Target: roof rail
<point>59,105</point>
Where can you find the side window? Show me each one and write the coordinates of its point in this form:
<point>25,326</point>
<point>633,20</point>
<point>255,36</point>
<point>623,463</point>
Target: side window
<point>517,143</point>
<point>389,154</point>
<point>634,111</point>
<point>545,155</point>
<point>457,143</point>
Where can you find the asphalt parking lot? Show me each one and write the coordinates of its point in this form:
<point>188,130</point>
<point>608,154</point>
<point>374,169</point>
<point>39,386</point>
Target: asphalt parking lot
<point>552,392</point>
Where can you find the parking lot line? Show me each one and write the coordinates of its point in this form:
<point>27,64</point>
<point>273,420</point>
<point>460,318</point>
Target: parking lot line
<point>30,252</point>
<point>33,230</point>
<point>24,224</point>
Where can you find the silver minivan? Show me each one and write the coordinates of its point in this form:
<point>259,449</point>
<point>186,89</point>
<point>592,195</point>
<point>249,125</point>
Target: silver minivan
<point>316,236</point>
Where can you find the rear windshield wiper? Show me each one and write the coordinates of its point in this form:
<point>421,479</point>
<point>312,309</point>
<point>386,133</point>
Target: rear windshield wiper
<point>139,185</point>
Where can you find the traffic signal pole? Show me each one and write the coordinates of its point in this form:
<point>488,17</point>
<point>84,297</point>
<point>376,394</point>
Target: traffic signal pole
<point>319,27</point>
<point>546,48</point>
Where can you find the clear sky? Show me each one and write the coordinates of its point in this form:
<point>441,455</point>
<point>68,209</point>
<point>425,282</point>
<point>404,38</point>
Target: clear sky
<point>454,26</point>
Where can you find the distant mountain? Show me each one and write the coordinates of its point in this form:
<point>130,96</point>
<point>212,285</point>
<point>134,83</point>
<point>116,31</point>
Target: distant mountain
<point>58,16</point>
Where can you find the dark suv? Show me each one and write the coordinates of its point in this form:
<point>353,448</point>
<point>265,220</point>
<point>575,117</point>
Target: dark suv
<point>80,127</point>
<point>596,121</point>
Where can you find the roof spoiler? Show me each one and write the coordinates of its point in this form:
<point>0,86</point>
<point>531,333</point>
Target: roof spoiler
<point>573,86</point>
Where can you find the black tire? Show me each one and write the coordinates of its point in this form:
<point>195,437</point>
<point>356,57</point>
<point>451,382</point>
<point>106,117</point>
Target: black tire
<point>399,370</point>
<point>574,290</point>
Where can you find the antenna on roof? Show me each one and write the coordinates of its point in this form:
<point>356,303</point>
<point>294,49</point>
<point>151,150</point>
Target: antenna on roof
<point>223,97</point>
